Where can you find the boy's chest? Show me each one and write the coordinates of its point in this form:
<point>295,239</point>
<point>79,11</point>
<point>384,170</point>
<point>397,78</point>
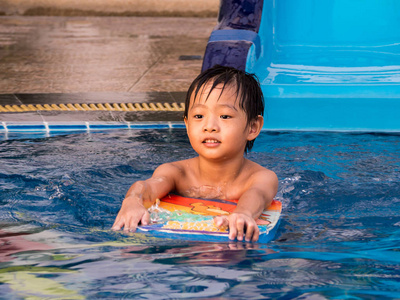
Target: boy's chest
<point>208,184</point>
<point>210,191</point>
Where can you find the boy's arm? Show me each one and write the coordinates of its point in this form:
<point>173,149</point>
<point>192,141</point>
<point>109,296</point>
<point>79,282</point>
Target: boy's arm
<point>142,195</point>
<point>259,195</point>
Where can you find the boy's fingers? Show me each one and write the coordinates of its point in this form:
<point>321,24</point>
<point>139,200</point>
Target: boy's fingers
<point>217,221</point>
<point>252,232</point>
<point>221,221</point>
<point>131,227</point>
<point>146,218</point>
<point>117,224</point>
<point>232,227</point>
<point>240,229</point>
<point>256,234</point>
<point>249,232</point>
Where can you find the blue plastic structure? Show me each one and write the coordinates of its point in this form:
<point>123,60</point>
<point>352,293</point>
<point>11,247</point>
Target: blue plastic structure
<point>322,64</point>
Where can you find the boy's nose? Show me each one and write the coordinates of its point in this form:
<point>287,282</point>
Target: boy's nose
<point>209,129</point>
<point>210,125</point>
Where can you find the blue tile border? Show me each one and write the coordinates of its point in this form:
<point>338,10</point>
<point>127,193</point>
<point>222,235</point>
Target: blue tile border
<point>26,128</point>
<point>108,126</point>
<point>178,125</point>
<point>149,126</point>
<point>49,127</point>
<point>66,127</point>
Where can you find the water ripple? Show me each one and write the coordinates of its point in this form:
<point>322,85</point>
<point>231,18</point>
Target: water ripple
<point>338,237</point>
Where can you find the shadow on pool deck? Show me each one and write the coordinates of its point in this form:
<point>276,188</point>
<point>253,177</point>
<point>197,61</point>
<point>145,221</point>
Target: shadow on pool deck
<point>54,60</point>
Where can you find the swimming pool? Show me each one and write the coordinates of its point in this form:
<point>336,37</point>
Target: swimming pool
<point>339,236</point>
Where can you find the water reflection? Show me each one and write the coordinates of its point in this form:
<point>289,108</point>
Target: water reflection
<point>203,253</point>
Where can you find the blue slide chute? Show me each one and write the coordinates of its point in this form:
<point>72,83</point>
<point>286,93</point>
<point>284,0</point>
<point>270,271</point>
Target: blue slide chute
<point>323,65</point>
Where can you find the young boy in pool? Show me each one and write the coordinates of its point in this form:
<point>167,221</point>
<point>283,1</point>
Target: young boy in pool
<point>223,116</point>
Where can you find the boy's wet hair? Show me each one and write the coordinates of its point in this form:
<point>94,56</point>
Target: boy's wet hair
<point>248,91</point>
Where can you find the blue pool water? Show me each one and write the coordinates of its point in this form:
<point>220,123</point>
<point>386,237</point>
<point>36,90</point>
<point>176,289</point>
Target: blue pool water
<point>339,236</point>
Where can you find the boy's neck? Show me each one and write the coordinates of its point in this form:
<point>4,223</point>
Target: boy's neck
<point>220,171</point>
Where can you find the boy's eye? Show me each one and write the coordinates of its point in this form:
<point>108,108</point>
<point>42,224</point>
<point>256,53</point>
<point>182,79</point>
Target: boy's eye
<point>225,117</point>
<point>198,116</point>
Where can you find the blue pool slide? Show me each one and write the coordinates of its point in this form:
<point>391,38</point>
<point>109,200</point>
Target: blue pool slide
<point>322,64</point>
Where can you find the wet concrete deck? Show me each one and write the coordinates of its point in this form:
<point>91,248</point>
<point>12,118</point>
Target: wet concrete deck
<point>46,60</point>
<point>180,8</point>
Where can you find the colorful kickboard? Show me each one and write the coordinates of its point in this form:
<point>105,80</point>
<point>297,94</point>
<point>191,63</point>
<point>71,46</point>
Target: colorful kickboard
<point>185,218</point>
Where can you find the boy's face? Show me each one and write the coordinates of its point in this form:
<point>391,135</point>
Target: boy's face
<point>217,127</point>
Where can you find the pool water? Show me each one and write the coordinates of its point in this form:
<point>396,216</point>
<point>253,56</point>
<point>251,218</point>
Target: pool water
<point>339,236</point>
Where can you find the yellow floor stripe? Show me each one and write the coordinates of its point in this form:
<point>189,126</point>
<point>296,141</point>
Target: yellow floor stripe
<point>8,107</point>
<point>17,108</point>
<point>95,107</point>
<point>85,107</point>
<point>71,107</point>
<point>56,107</point>
<point>138,106</point>
<point>131,107</point>
<point>124,108</point>
<point>3,109</point>
<point>78,107</point>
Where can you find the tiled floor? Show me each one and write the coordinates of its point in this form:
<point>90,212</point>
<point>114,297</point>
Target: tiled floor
<point>98,60</point>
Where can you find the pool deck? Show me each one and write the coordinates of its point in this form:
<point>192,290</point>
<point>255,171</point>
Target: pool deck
<point>75,60</point>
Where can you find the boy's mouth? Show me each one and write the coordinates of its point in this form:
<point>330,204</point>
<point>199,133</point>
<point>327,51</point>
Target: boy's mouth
<point>211,141</point>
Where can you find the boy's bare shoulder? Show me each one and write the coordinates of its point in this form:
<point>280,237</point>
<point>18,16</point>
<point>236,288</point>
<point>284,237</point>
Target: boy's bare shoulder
<point>175,168</point>
<point>258,173</point>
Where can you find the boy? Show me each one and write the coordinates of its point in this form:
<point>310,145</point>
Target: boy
<point>223,116</point>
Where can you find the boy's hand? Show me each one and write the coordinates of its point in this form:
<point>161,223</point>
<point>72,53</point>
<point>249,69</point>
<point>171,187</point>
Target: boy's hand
<point>130,215</point>
<point>240,225</point>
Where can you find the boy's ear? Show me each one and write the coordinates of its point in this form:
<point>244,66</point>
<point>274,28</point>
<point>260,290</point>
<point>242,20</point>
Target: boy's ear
<point>185,120</point>
<point>255,127</point>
